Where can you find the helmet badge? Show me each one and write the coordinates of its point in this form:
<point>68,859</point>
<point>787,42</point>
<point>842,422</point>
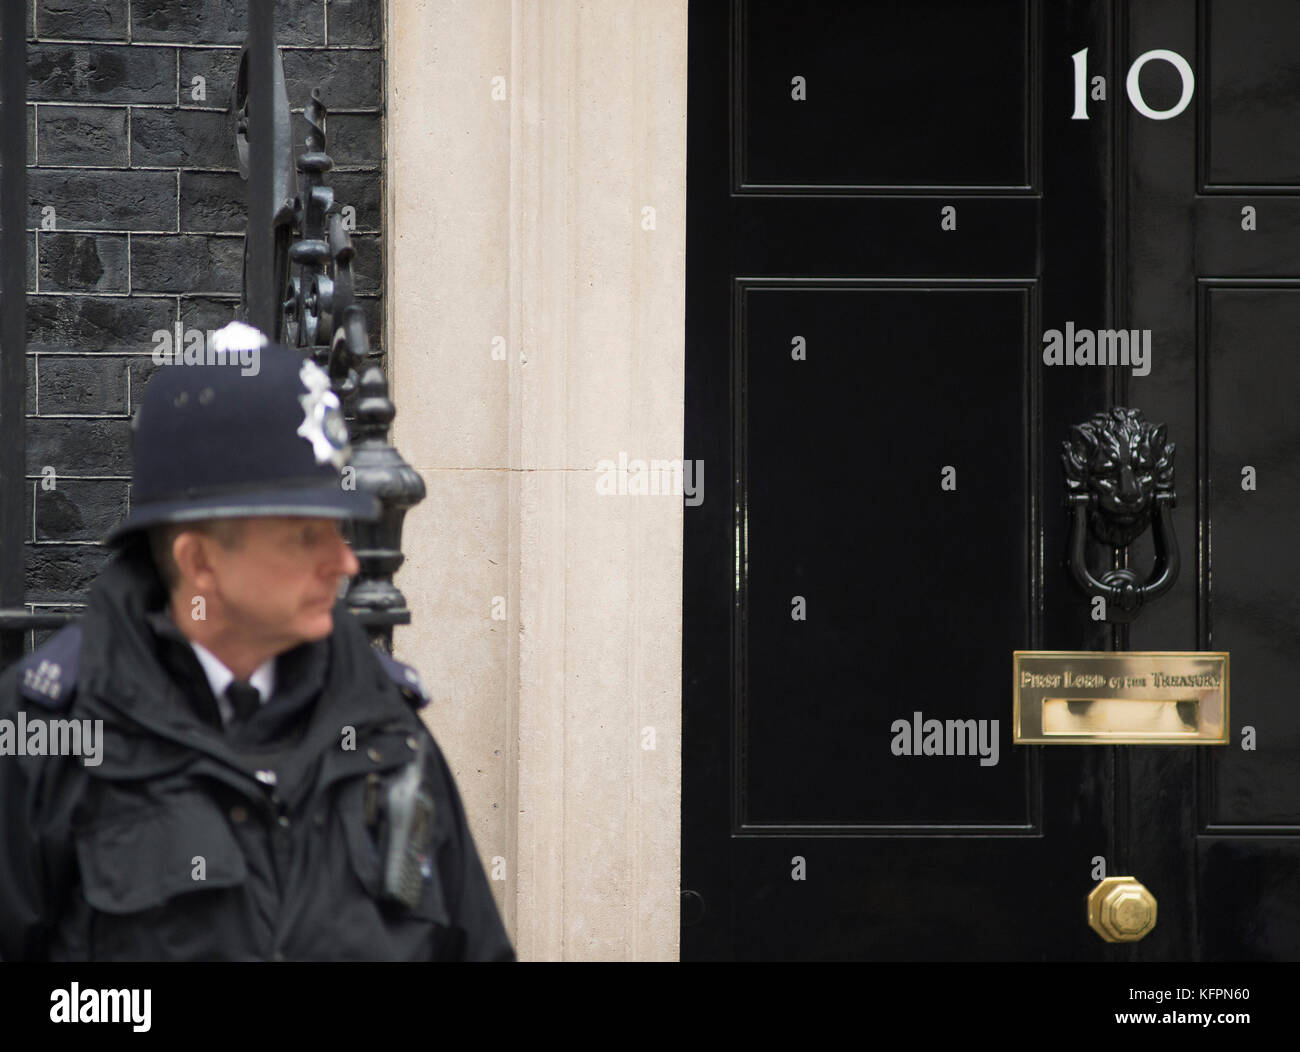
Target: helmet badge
<point>322,425</point>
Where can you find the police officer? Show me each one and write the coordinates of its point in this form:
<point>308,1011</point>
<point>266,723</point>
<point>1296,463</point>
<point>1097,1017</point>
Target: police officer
<point>252,779</point>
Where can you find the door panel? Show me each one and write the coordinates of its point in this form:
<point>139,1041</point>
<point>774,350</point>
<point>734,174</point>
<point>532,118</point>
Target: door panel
<point>826,431</point>
<point>1248,64</point>
<point>894,97</point>
<point>1253,375</point>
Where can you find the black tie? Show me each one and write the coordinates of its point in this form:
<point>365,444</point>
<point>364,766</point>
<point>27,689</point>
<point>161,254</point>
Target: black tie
<point>244,698</point>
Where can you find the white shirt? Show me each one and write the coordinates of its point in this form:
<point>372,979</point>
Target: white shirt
<point>220,677</point>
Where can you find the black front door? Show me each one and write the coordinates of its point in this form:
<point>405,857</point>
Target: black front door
<point>888,206</point>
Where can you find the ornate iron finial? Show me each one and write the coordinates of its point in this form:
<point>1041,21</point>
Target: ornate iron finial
<point>382,471</point>
<point>320,316</point>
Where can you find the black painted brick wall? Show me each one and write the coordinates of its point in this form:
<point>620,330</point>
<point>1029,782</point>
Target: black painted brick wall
<point>136,157</point>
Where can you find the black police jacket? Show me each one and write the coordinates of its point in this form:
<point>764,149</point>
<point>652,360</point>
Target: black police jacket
<point>186,842</point>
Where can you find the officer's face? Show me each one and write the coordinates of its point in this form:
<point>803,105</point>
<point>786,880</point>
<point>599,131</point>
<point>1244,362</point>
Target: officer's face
<point>279,586</point>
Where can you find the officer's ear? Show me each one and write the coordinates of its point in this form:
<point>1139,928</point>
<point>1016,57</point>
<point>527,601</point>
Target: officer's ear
<point>190,552</point>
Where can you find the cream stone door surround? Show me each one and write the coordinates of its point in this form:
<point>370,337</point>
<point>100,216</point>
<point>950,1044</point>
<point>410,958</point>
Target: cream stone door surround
<point>535,210</point>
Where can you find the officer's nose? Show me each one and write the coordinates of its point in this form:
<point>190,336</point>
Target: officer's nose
<point>350,565</point>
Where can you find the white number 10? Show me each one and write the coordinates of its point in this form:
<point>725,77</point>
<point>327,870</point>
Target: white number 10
<point>1134,89</point>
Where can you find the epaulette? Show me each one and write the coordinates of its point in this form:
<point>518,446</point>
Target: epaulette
<point>406,678</point>
<point>48,675</point>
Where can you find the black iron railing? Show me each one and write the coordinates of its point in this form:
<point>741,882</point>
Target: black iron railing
<point>298,289</point>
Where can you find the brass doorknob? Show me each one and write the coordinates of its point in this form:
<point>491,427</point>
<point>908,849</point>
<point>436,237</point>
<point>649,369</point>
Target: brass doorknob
<point>1120,909</point>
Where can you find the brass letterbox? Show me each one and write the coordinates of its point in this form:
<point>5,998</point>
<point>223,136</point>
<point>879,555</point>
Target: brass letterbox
<point>1151,697</point>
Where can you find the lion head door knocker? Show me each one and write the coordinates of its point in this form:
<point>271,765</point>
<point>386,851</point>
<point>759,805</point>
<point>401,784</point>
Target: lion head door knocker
<point>1119,478</point>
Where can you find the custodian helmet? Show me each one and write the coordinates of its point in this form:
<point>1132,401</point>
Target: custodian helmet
<point>237,439</point>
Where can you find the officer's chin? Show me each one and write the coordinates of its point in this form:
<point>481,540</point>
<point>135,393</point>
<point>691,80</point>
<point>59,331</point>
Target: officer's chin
<point>317,623</point>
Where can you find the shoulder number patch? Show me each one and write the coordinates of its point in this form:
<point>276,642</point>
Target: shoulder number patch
<point>406,678</point>
<point>49,673</point>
